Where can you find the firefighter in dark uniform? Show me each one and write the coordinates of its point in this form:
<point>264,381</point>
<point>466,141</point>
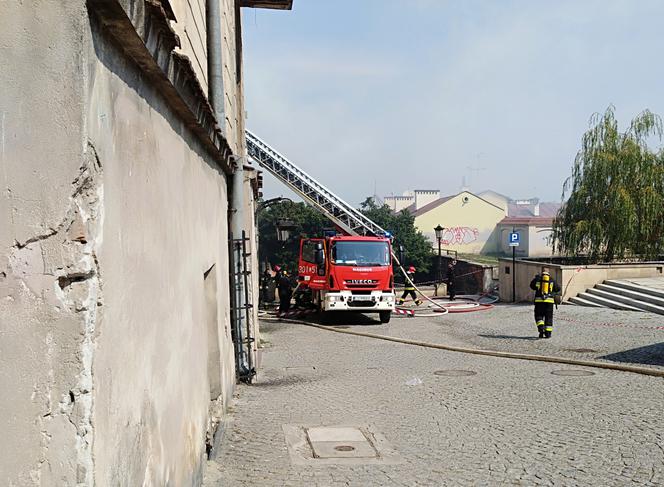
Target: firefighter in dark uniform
<point>545,291</point>
<point>266,284</point>
<point>285,289</point>
<point>451,288</point>
<point>409,289</point>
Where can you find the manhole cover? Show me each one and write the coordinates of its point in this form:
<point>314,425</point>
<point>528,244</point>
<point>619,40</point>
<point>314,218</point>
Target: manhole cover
<point>573,373</point>
<point>455,373</point>
<point>338,445</point>
<point>344,448</point>
<point>581,350</point>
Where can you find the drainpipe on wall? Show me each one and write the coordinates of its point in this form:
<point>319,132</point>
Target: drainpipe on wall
<point>216,96</point>
<point>215,67</point>
<point>239,302</point>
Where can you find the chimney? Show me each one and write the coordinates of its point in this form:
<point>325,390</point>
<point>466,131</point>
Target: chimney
<point>398,203</point>
<point>536,210</point>
<point>425,196</point>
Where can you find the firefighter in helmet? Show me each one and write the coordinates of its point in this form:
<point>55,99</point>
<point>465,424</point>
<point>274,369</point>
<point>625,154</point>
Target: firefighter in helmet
<point>410,287</point>
<point>546,290</point>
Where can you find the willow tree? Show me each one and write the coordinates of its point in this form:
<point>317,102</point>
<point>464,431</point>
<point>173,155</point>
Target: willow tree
<point>615,196</point>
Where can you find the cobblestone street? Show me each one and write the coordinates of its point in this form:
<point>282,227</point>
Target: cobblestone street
<point>513,422</point>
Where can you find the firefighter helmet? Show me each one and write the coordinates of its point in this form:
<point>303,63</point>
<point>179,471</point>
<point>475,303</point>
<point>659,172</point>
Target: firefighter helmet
<point>411,269</point>
<point>277,268</point>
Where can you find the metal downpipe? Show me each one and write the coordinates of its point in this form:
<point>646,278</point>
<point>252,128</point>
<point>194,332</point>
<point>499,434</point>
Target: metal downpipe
<point>216,97</point>
<point>215,66</point>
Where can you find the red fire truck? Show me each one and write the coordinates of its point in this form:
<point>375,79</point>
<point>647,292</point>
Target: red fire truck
<point>348,273</point>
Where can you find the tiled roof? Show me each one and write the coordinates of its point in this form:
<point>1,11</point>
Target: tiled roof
<point>493,193</point>
<point>527,220</point>
<point>410,208</point>
<point>429,206</point>
<point>548,210</point>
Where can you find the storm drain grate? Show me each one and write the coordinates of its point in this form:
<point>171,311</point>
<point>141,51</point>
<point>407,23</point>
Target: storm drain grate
<point>455,373</point>
<point>581,350</point>
<point>573,373</point>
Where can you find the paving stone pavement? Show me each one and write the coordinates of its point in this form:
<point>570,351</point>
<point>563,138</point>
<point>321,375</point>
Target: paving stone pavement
<point>604,334</point>
<point>513,423</point>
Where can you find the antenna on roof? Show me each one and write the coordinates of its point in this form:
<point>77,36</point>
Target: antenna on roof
<point>464,186</point>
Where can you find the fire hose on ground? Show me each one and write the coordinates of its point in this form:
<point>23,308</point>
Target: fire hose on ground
<point>490,353</point>
<point>438,309</point>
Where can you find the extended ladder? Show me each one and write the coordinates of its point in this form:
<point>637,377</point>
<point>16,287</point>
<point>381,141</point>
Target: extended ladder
<point>344,215</point>
<point>341,213</point>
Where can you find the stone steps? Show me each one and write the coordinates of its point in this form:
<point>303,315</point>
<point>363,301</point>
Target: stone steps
<point>631,286</point>
<point>606,302</point>
<point>623,295</point>
<point>583,302</point>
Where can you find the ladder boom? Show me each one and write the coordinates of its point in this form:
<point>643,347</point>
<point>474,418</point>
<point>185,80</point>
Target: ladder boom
<point>341,213</point>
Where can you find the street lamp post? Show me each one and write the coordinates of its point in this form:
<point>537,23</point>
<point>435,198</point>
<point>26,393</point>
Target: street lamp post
<point>439,236</point>
<point>284,229</point>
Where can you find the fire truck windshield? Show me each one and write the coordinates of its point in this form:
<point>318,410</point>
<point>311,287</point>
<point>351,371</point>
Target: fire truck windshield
<point>363,253</point>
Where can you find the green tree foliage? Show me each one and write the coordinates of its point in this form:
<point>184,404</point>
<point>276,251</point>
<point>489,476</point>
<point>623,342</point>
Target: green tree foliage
<point>615,207</point>
<point>402,226</point>
<point>308,221</point>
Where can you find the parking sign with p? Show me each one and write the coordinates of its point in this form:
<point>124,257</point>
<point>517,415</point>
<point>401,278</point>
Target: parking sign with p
<point>514,239</point>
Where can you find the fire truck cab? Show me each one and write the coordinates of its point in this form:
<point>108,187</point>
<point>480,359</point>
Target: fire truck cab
<point>349,273</point>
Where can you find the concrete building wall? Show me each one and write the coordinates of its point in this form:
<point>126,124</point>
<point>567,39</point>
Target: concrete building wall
<point>496,199</point>
<point>191,29</point>
<point>114,300</point>
<point>164,227</point>
<point>48,280</point>
<point>425,196</point>
<point>535,240</point>
<point>398,203</point>
<point>232,69</point>
<point>469,221</point>
<point>572,279</point>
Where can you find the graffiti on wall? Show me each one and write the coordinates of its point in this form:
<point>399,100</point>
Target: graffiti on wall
<point>459,235</point>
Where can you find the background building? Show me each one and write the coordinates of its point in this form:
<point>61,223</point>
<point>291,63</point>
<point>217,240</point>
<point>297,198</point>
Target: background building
<point>480,223</point>
<point>534,221</point>
<point>122,155</point>
<point>470,222</point>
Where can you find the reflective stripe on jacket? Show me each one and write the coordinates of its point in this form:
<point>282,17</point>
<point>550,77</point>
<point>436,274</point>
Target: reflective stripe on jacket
<point>408,285</point>
<point>544,289</point>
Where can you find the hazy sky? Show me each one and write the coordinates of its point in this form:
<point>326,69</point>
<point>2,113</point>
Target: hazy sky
<point>408,94</point>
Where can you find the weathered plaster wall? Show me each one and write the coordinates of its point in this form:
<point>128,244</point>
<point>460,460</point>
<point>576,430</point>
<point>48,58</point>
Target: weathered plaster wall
<point>49,284</point>
<point>233,84</point>
<point>164,227</point>
<point>191,28</point>
<point>115,351</point>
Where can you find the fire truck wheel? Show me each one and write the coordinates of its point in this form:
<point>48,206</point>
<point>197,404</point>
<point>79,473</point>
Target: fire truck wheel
<point>385,316</point>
